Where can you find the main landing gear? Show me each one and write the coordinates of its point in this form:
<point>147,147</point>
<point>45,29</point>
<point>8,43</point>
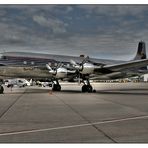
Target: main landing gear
<point>87,87</point>
<point>56,86</point>
<point>1,89</point>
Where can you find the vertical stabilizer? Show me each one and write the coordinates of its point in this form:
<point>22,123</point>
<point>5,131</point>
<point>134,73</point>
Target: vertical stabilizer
<point>141,52</point>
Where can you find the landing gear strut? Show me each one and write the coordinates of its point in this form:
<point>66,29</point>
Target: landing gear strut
<point>87,87</point>
<point>56,87</point>
<point>1,89</point>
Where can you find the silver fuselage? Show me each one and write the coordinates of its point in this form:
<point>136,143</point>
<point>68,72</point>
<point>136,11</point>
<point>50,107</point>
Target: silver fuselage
<point>32,65</point>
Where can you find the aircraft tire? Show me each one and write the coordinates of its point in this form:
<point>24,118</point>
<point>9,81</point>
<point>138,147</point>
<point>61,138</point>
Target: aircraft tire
<point>94,91</point>
<point>89,89</point>
<point>84,88</point>
<point>56,87</point>
<point>1,89</point>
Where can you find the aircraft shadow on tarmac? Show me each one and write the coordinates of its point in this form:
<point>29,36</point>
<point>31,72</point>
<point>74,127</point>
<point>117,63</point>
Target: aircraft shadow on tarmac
<point>124,91</point>
<point>143,91</point>
<point>29,91</point>
<point>131,91</point>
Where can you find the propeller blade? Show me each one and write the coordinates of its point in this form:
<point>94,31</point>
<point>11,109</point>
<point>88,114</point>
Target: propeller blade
<point>73,62</point>
<point>85,60</point>
<point>59,65</point>
<point>48,67</point>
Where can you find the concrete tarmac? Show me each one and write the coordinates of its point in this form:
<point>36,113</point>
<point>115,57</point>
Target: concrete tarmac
<point>116,113</point>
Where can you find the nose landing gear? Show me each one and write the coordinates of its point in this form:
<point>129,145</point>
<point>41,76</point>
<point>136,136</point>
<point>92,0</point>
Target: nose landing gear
<point>1,89</point>
<point>57,86</point>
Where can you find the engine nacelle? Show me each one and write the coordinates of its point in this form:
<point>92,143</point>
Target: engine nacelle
<point>87,68</point>
<point>61,72</point>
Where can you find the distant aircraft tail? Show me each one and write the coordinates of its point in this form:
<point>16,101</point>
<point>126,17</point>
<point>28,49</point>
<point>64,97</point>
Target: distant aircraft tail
<point>141,53</point>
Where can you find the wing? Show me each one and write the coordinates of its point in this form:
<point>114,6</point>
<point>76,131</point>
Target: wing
<point>122,70</point>
<point>123,66</point>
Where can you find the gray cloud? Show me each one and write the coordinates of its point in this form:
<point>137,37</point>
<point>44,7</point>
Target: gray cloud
<point>102,31</point>
<point>115,10</point>
<point>55,25</point>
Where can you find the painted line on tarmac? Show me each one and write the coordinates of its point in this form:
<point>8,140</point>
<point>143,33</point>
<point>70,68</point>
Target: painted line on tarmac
<point>72,126</point>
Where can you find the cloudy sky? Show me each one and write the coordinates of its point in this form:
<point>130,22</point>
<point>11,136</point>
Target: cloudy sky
<point>103,31</point>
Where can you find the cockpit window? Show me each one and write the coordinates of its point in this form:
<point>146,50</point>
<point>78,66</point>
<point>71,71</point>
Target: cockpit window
<point>2,57</point>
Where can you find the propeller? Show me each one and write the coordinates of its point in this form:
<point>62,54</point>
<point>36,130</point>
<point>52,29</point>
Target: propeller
<point>54,71</point>
<point>75,65</point>
<point>79,66</point>
<point>86,60</point>
<point>60,71</point>
<point>50,69</point>
<point>73,62</point>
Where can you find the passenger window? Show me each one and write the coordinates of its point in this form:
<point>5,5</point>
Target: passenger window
<point>32,63</point>
<point>25,62</point>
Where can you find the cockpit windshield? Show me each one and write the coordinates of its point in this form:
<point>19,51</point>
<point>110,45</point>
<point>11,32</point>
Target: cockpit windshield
<point>2,56</point>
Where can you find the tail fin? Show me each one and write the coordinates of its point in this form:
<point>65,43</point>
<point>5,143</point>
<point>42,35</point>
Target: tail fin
<point>141,53</point>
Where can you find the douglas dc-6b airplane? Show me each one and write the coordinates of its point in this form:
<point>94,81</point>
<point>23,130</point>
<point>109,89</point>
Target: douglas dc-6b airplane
<point>55,67</point>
